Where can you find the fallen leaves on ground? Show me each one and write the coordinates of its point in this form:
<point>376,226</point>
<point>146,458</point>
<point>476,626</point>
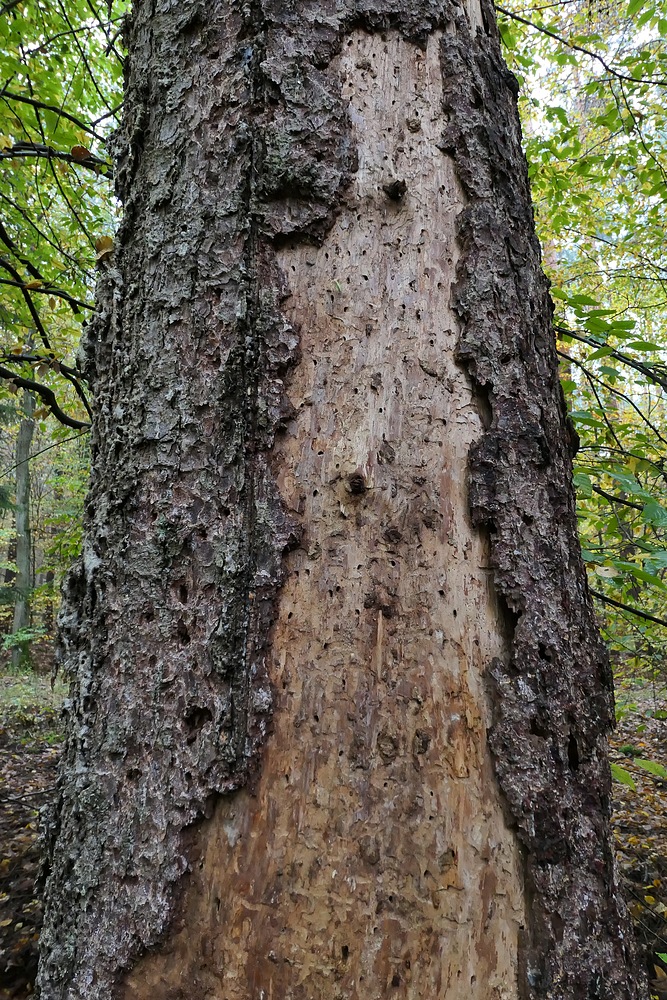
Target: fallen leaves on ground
<point>28,761</point>
<point>640,832</point>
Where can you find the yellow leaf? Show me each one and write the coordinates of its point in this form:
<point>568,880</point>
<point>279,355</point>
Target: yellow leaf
<point>103,243</point>
<point>5,923</point>
<point>104,247</point>
<point>606,572</point>
<point>5,142</point>
<point>36,283</point>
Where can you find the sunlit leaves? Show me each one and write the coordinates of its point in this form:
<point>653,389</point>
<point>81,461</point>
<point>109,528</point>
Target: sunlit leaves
<point>61,73</point>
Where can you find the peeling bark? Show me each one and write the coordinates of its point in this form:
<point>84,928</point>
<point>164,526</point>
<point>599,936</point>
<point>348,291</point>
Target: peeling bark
<point>284,623</point>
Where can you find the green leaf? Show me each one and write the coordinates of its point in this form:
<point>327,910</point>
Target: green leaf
<point>654,513</point>
<point>624,777</point>
<point>582,300</point>
<point>641,574</point>
<point>652,767</point>
<point>602,352</point>
<point>645,345</point>
<point>583,484</point>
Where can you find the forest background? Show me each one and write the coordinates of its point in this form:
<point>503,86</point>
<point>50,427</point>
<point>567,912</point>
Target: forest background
<point>593,82</point>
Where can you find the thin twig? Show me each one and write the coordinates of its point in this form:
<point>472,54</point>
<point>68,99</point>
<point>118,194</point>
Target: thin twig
<point>579,48</point>
<point>626,607</point>
<point>56,444</point>
<point>9,95</point>
<point>25,150</point>
<point>48,395</point>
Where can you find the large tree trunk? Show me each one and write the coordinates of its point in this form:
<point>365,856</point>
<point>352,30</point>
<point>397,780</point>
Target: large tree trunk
<point>23,579</point>
<point>331,600</point>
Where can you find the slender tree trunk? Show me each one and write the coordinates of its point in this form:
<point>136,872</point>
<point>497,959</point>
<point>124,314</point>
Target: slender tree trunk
<point>23,579</point>
<point>339,705</point>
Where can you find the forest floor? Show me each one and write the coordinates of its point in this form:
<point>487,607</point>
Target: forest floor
<point>30,743</point>
<point>640,817</point>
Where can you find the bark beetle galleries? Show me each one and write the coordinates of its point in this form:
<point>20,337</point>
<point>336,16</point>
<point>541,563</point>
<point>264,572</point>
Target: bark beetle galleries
<point>238,148</point>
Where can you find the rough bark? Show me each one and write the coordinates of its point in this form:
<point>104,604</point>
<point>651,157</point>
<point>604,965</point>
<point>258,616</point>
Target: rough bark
<point>284,621</point>
<point>23,579</point>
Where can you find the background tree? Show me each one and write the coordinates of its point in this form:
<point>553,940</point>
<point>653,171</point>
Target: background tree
<point>23,581</point>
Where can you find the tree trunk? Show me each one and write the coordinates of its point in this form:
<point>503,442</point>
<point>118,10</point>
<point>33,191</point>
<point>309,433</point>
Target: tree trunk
<point>23,579</point>
<point>339,706</point>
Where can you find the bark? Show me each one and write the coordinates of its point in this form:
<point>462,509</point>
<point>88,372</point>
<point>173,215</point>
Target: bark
<point>287,638</point>
<point>23,579</point>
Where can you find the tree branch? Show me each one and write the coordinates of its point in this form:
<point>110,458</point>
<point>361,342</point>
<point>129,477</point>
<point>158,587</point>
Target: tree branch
<point>613,499</point>
<point>23,150</point>
<point>47,289</point>
<point>46,394</point>
<point>39,105</point>
<point>37,359</point>
<point>579,48</point>
<point>651,372</point>
<point>9,6</point>
<point>626,607</point>
<point>31,305</point>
